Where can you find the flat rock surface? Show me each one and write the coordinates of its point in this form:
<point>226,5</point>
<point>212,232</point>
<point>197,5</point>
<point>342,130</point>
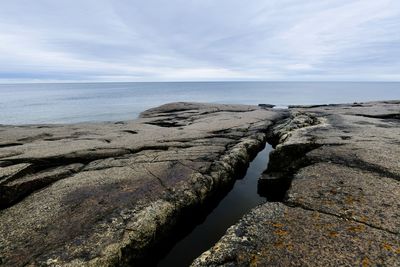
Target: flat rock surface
<point>103,194</point>
<point>342,206</point>
<point>277,235</point>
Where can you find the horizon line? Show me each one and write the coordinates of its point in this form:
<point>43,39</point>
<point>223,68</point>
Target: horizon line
<point>201,81</point>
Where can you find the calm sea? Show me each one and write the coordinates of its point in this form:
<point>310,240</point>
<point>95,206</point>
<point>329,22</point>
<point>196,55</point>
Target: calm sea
<point>80,102</point>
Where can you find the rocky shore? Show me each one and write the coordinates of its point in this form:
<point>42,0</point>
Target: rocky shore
<point>339,170</point>
<point>105,194</point>
<point>108,194</point>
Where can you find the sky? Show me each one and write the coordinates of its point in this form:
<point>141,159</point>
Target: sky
<point>199,40</point>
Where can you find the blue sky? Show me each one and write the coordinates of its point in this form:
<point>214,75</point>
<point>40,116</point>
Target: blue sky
<point>201,40</point>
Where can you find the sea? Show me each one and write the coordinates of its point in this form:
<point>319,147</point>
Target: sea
<point>95,102</point>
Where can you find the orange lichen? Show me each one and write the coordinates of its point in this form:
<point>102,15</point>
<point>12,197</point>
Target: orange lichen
<point>281,232</point>
<point>254,261</point>
<point>277,225</point>
<point>363,219</point>
<point>349,200</point>
<point>356,229</point>
<point>316,215</point>
<point>387,246</point>
<point>279,244</point>
<point>365,262</point>
<point>391,248</point>
<point>333,234</point>
<point>328,202</point>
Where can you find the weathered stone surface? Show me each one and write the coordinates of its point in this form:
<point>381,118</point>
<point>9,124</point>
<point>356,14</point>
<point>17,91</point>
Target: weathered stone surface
<point>274,234</point>
<point>349,193</point>
<point>102,194</point>
<point>342,206</point>
<point>12,172</point>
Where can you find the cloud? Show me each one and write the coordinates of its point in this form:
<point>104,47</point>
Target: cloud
<point>123,40</point>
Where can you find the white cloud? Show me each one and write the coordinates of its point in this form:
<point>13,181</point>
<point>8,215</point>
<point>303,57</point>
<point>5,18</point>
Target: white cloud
<point>199,40</point>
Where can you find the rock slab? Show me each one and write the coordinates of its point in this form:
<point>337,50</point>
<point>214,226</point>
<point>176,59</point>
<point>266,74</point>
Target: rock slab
<point>341,206</point>
<point>104,194</point>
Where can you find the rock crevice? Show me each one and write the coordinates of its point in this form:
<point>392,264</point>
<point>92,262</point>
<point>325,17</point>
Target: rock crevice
<point>337,177</point>
<point>88,202</point>
<point>110,194</point>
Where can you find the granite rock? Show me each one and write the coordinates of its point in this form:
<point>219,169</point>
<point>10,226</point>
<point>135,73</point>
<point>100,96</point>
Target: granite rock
<point>337,174</point>
<point>104,194</point>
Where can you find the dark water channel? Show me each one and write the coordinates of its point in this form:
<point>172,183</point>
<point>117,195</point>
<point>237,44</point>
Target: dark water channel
<point>240,200</point>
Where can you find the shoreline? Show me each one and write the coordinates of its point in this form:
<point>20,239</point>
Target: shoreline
<point>73,103</point>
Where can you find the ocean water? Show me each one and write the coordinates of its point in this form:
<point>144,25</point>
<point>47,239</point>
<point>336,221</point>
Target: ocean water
<point>81,102</point>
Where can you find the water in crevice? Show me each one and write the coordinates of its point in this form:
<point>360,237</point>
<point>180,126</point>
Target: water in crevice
<point>239,201</point>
